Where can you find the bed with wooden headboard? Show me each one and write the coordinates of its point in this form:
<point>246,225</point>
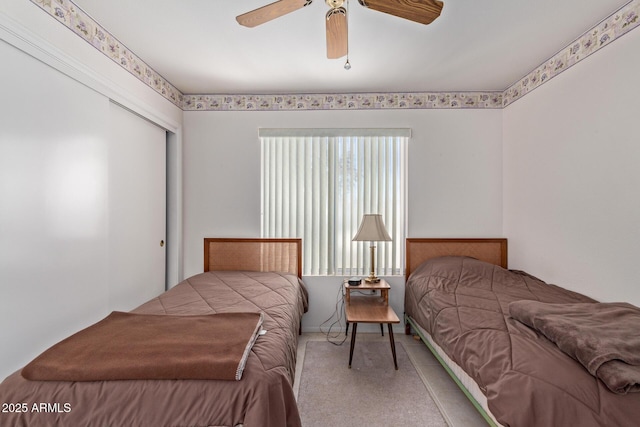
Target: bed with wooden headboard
<point>460,299</point>
<point>243,278</point>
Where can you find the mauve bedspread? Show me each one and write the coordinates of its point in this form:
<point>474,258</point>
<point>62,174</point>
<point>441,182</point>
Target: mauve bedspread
<point>263,397</point>
<point>463,304</point>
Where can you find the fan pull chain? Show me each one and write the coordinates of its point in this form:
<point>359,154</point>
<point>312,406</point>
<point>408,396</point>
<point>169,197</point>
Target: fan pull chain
<point>347,65</point>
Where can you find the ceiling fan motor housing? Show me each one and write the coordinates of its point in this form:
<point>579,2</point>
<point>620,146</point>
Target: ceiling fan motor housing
<point>334,4</point>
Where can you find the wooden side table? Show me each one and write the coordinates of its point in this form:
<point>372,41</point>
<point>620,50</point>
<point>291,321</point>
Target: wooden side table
<point>370,309</point>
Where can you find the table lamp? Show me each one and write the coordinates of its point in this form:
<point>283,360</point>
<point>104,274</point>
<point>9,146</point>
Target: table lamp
<point>372,229</point>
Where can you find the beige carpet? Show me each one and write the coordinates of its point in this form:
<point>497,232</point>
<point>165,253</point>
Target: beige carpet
<point>371,393</point>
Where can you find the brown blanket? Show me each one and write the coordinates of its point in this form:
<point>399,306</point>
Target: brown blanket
<point>129,346</point>
<point>604,337</point>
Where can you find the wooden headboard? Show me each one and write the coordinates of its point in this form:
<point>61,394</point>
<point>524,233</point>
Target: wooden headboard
<point>253,254</point>
<point>418,251</point>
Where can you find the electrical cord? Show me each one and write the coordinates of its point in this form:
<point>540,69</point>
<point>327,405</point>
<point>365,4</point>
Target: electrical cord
<point>339,318</point>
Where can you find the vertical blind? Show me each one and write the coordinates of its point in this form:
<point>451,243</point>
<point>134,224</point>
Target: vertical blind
<point>317,184</point>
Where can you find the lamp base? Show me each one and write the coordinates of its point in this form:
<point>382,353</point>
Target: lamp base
<point>372,279</point>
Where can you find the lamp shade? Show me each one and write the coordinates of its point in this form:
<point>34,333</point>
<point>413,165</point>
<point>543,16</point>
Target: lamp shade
<point>372,229</point>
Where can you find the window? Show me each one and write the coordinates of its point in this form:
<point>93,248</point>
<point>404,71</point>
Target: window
<point>317,184</point>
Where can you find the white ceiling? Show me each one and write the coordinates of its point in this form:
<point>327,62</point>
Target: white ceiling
<point>475,45</point>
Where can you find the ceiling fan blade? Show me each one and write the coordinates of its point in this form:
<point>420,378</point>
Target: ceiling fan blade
<point>337,36</point>
<point>270,11</point>
<point>422,11</point>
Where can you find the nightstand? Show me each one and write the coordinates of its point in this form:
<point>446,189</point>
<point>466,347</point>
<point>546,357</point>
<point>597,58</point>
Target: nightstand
<point>372,308</point>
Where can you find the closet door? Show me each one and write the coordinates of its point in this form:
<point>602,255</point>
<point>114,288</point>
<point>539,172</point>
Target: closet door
<point>137,209</point>
<point>53,207</point>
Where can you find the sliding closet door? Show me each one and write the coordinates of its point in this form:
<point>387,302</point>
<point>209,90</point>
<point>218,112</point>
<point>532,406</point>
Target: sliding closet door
<point>53,207</point>
<point>137,209</point>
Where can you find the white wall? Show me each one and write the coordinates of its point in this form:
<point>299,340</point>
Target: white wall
<point>572,176</point>
<point>455,179</point>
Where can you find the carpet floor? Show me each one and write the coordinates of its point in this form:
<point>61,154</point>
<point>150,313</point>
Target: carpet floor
<point>371,393</point>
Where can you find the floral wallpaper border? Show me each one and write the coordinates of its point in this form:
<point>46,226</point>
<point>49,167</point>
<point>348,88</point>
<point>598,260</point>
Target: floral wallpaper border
<point>608,30</point>
<point>78,21</point>
<point>356,101</point>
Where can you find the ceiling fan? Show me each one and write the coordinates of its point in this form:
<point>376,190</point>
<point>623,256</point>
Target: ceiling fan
<point>421,11</point>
